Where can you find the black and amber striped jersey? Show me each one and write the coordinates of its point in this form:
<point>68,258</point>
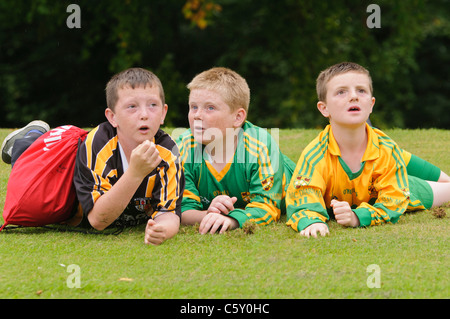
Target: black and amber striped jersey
<point>99,166</point>
<point>256,175</point>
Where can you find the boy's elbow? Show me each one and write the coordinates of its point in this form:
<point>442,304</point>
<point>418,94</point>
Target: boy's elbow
<point>98,226</point>
<point>96,223</point>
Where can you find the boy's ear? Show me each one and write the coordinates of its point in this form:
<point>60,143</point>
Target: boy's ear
<point>241,115</point>
<point>164,113</point>
<point>110,116</point>
<point>322,107</point>
<point>373,103</point>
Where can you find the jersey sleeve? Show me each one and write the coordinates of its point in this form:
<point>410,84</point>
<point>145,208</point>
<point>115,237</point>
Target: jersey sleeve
<point>393,191</point>
<point>91,179</point>
<point>304,197</point>
<point>265,170</point>
<point>168,193</point>
<point>191,197</point>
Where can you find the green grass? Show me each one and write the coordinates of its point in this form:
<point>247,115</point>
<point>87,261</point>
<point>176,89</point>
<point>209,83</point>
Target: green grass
<point>274,262</point>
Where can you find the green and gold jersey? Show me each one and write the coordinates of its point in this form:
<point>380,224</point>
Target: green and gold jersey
<point>256,175</point>
<point>378,193</point>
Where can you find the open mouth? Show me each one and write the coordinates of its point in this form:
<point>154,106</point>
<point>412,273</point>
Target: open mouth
<point>144,129</point>
<point>354,109</point>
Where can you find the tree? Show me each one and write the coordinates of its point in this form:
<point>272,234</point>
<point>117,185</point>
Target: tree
<point>56,73</point>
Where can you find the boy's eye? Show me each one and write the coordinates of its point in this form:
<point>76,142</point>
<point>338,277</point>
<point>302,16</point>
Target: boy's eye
<point>132,106</point>
<point>210,107</point>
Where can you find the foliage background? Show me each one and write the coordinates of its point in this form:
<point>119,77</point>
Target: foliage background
<point>51,72</point>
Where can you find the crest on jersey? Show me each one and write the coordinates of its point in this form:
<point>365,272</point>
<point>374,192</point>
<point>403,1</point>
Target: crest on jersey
<point>246,197</point>
<point>143,205</point>
<point>373,193</point>
<point>406,192</point>
<point>267,183</point>
<point>301,181</point>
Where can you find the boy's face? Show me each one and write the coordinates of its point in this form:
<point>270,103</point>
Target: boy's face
<point>138,114</point>
<point>210,117</point>
<point>349,100</point>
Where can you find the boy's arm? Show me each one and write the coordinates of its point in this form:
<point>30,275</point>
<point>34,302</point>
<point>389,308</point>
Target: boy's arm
<point>304,197</point>
<point>393,195</point>
<point>214,222</point>
<point>221,204</point>
<point>264,206</point>
<point>162,228</point>
<point>305,206</point>
<point>168,191</point>
<point>265,173</point>
<point>192,211</point>
<point>192,216</point>
<point>108,207</point>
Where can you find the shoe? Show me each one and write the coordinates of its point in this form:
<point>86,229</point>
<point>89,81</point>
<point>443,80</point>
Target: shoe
<point>8,143</point>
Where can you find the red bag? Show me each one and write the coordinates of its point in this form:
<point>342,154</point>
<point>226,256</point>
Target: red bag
<point>40,189</point>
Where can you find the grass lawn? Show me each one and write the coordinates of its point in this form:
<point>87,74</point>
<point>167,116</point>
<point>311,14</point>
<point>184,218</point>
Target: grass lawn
<point>412,256</point>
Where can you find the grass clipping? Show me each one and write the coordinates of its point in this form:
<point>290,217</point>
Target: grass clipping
<point>439,212</point>
<point>249,227</point>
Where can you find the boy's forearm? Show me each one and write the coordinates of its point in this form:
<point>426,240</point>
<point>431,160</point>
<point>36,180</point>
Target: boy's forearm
<point>378,214</point>
<point>301,219</point>
<point>111,205</point>
<point>192,216</point>
<point>262,214</point>
<point>171,223</point>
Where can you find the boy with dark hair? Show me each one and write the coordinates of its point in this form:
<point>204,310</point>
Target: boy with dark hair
<point>127,170</point>
<point>351,171</point>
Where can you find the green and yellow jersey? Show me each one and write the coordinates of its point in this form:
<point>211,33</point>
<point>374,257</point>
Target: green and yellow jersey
<point>256,175</point>
<point>378,193</point>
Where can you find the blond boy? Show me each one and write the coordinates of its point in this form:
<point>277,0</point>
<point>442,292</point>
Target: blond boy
<point>234,170</point>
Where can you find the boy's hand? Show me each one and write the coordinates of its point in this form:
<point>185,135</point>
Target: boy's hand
<point>222,204</point>
<point>144,159</point>
<point>344,214</point>
<point>315,228</point>
<point>155,234</point>
<point>211,223</point>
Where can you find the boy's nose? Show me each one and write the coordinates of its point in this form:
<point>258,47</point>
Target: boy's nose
<point>353,95</point>
<point>198,114</point>
<point>144,113</point>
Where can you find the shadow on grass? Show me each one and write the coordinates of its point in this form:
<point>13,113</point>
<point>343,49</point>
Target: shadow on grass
<point>69,229</point>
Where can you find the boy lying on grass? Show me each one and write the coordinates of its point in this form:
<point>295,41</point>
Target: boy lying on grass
<point>353,172</point>
<point>127,170</point>
<point>234,170</point>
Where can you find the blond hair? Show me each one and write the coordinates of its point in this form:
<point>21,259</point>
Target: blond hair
<point>231,86</point>
<point>326,75</point>
<point>133,77</point>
